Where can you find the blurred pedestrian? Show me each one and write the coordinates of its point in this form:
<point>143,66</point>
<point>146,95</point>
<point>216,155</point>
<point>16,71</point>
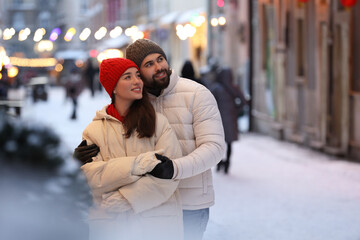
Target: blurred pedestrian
<point>188,72</point>
<point>89,74</point>
<point>230,100</point>
<point>192,112</point>
<point>129,202</point>
<point>73,86</point>
<point>4,84</point>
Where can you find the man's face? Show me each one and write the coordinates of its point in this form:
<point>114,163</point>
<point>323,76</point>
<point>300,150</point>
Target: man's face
<point>155,71</point>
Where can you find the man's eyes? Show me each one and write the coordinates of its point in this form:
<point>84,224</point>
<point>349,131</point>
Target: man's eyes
<point>159,59</point>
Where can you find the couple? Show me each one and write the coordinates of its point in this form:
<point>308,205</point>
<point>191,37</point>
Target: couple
<point>148,156</point>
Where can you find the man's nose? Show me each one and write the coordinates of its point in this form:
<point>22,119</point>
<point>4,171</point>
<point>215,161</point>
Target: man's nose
<point>157,66</point>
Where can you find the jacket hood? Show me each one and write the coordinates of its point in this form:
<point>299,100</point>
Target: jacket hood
<point>103,115</point>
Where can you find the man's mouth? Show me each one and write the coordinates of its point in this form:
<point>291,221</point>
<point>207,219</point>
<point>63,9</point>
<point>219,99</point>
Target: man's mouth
<point>160,75</point>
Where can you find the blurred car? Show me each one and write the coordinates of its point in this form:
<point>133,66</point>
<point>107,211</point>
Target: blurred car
<point>39,88</point>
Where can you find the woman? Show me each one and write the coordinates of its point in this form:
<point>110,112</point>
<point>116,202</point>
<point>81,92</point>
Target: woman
<point>226,94</point>
<point>128,202</point>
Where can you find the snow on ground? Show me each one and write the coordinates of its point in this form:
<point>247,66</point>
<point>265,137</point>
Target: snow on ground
<point>274,191</point>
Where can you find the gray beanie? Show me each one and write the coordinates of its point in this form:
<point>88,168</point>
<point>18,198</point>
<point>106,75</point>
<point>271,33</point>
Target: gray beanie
<point>139,49</point>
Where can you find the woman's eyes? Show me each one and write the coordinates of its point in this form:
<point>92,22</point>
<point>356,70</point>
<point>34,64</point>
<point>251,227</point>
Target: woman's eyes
<point>128,77</point>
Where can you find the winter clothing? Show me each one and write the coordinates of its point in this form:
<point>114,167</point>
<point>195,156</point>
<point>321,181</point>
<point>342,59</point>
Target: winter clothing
<point>138,50</point>
<point>225,93</point>
<point>128,202</point>
<point>195,221</point>
<point>83,151</point>
<point>111,110</point>
<point>193,113</point>
<point>74,88</point>
<point>188,72</point>
<point>165,169</point>
<point>111,70</point>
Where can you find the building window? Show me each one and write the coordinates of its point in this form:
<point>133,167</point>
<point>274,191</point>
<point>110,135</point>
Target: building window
<point>264,37</point>
<point>355,76</point>
<point>114,10</point>
<point>300,47</point>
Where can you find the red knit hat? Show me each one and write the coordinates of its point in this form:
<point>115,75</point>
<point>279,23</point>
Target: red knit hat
<point>111,70</point>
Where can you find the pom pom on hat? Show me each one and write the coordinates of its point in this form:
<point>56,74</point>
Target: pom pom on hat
<point>111,70</point>
<point>139,49</point>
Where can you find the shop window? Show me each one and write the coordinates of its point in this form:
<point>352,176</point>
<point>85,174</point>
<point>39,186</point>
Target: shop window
<point>264,36</point>
<point>355,76</point>
<point>300,47</point>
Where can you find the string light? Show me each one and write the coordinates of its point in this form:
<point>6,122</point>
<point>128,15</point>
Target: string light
<point>39,34</point>
<point>13,72</point>
<point>85,34</point>
<point>24,33</point>
<point>99,34</point>
<point>33,62</point>
<point>8,33</point>
<point>110,53</point>
<point>116,32</point>
<point>214,22</point>
<point>222,21</point>
<point>69,34</point>
<point>54,34</point>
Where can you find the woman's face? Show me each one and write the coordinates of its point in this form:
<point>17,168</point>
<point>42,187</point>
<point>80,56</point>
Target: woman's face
<point>129,87</point>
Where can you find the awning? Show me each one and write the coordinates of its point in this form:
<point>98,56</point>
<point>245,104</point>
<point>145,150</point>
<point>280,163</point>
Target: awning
<point>186,16</point>
<point>118,42</point>
<point>169,18</point>
<point>71,54</point>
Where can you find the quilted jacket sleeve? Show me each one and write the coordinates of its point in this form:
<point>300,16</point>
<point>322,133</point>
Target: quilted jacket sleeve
<point>156,191</point>
<point>209,136</point>
<point>104,177</point>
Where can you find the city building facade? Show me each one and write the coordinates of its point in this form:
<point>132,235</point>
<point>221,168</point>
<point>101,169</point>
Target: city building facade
<point>306,81</point>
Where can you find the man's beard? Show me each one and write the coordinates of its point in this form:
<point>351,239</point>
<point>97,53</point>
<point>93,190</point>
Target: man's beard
<point>155,86</point>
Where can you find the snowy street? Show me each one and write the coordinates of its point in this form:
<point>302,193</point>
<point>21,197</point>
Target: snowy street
<point>274,191</point>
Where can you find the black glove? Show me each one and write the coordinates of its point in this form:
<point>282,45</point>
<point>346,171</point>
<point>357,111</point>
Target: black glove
<point>85,153</point>
<point>165,169</point>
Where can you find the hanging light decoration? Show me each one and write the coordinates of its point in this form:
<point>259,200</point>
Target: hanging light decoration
<point>348,3</point>
<point>301,3</point>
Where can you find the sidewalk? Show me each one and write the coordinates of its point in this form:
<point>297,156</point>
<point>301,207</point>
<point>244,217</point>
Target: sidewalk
<point>281,191</point>
<point>274,191</point>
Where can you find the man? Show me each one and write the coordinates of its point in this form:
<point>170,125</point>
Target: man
<point>194,116</point>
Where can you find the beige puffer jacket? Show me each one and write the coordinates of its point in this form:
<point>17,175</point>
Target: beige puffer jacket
<point>116,173</point>
<point>193,113</point>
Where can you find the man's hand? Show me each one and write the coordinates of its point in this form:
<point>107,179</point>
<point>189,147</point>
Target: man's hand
<point>165,169</point>
<point>85,153</point>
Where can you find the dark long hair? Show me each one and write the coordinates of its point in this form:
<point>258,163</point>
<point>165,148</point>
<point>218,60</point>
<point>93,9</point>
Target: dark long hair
<point>141,117</point>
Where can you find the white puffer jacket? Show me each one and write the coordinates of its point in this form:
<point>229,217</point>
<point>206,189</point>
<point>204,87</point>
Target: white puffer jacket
<point>193,113</point>
<point>139,202</point>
